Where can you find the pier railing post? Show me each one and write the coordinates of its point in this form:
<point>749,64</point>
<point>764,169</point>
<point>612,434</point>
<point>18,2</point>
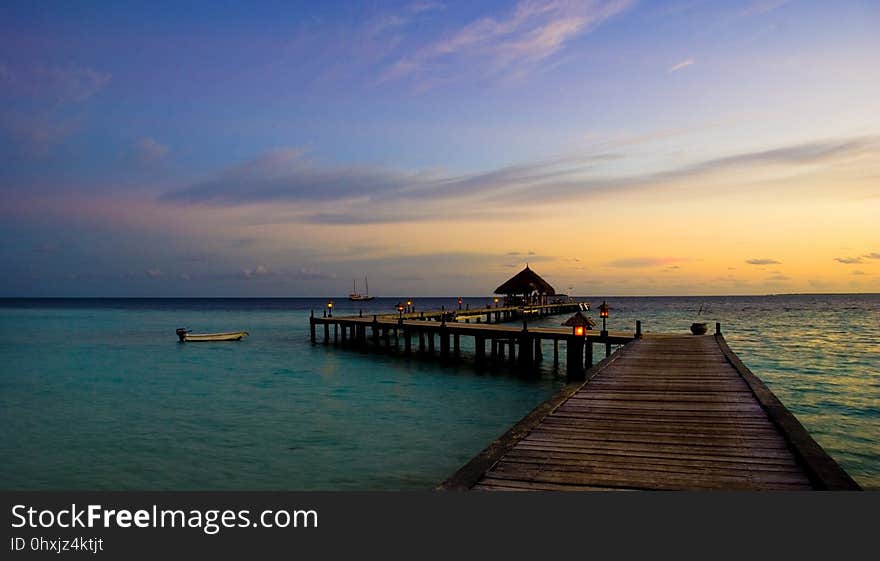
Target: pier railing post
<point>717,328</point>
<point>638,329</point>
<point>312,327</point>
<point>444,341</point>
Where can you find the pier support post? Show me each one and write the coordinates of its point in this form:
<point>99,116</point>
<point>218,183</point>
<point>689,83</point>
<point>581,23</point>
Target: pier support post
<point>574,358</point>
<point>444,343</point>
<point>493,352</point>
<point>456,345</point>
<point>511,353</point>
<point>312,327</point>
<point>407,341</point>
<point>421,341</point>
<point>607,349</point>
<point>539,350</point>
<point>344,334</point>
<point>480,348</point>
<point>555,353</point>
<point>335,333</point>
<point>589,360</point>
<point>526,351</point>
<point>638,329</point>
<point>387,333</point>
<point>430,342</point>
<point>326,333</point>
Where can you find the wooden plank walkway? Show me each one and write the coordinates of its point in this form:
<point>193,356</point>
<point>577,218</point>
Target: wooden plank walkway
<point>665,412</point>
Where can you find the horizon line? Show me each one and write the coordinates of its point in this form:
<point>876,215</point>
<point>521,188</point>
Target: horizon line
<point>434,296</point>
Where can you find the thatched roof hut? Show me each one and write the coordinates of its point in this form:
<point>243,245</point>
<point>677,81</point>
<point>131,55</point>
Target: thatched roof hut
<point>579,319</point>
<point>526,282</point>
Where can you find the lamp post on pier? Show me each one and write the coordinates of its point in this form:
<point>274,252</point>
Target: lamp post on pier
<point>603,313</point>
<point>330,308</point>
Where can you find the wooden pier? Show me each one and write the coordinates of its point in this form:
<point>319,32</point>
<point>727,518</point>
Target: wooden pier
<point>665,412</point>
<point>497,314</point>
<point>438,334</point>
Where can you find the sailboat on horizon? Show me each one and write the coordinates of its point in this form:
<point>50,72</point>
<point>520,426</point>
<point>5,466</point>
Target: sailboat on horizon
<point>357,296</point>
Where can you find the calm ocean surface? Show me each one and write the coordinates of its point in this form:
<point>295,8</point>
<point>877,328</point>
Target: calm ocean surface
<point>98,394</point>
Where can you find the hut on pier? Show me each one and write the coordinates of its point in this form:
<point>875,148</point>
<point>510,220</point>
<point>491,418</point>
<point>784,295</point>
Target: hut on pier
<point>525,288</point>
<point>580,323</point>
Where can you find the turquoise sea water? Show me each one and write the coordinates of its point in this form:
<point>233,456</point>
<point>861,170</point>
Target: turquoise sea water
<point>97,394</point>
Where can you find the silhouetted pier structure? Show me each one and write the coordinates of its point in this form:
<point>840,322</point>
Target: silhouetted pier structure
<point>491,314</point>
<point>432,336</point>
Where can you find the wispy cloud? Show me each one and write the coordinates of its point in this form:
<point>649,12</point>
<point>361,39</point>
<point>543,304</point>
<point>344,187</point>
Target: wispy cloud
<point>256,272</point>
<point>873,255</point>
<point>69,83</point>
<point>48,102</point>
<point>148,150</point>
<point>763,261</point>
<point>640,262</point>
<point>394,21</point>
<point>849,260</point>
<point>36,133</point>
<point>370,194</point>
<point>762,7</point>
<point>512,44</point>
<point>516,253</point>
<point>678,66</point>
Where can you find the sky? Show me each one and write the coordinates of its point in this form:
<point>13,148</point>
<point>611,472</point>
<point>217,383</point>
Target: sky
<point>618,147</point>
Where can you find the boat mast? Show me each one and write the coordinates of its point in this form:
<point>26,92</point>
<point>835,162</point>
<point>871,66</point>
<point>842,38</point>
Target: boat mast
<point>367,285</point>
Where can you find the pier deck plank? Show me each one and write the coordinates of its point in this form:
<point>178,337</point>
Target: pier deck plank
<point>665,412</point>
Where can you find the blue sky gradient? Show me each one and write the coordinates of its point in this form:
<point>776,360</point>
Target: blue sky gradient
<point>283,148</point>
